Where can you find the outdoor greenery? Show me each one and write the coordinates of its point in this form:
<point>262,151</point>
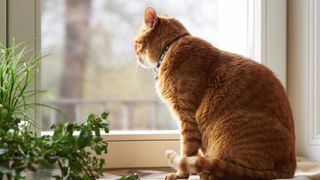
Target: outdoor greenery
<point>21,149</point>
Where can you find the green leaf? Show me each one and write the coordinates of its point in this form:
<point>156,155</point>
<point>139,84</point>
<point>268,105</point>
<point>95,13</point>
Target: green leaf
<point>91,117</point>
<point>106,130</point>
<point>98,149</point>
<point>104,115</point>
<point>132,177</point>
<point>86,177</point>
<point>85,138</point>
<point>58,133</point>
<point>76,165</point>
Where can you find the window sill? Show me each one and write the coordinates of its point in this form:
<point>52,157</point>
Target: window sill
<point>138,149</point>
<point>141,135</point>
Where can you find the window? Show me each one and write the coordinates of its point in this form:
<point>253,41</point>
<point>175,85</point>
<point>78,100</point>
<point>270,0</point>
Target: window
<point>91,65</point>
<point>261,35</point>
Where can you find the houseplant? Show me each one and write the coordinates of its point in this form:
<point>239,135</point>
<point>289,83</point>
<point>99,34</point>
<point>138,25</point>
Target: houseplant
<point>21,149</point>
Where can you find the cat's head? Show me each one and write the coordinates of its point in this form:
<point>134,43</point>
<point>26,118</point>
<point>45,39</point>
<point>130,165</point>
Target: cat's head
<point>154,34</point>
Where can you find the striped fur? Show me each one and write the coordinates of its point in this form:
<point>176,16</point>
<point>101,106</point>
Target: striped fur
<point>234,116</point>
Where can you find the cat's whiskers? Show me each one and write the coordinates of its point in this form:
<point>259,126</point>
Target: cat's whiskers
<point>136,70</point>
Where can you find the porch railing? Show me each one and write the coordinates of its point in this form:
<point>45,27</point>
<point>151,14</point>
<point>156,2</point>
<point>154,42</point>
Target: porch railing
<point>127,107</point>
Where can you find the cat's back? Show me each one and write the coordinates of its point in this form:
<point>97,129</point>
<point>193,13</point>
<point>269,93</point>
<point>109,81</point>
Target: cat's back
<point>231,80</point>
<point>247,104</point>
<point>237,78</point>
<point>241,86</point>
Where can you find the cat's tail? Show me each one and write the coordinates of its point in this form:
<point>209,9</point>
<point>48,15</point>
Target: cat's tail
<point>200,164</point>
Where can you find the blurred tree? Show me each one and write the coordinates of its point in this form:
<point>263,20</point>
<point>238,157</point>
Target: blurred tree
<point>77,29</point>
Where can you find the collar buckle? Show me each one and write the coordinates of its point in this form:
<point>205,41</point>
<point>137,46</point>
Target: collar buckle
<point>163,53</point>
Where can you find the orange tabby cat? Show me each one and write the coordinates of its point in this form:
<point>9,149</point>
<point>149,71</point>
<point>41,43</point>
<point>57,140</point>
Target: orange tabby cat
<point>235,118</point>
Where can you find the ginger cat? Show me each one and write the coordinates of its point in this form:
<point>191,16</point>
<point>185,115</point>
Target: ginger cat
<point>235,118</point>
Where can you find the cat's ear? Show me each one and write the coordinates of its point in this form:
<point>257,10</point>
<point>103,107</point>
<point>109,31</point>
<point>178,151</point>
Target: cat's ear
<point>150,17</point>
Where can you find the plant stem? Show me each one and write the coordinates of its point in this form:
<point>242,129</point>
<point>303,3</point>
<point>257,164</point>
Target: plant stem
<point>61,168</point>
<point>86,169</point>
<point>9,177</point>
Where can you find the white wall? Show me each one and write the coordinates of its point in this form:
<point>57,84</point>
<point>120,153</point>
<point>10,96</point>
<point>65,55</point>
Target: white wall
<point>304,74</point>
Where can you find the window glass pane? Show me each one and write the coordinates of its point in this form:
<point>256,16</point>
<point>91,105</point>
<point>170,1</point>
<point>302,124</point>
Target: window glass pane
<point>92,67</point>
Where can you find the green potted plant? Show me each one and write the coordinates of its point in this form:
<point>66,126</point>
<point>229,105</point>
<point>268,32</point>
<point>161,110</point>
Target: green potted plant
<point>21,149</point>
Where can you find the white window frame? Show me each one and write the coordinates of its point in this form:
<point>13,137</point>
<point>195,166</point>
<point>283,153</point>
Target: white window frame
<point>146,148</point>
<point>304,73</point>
<point>3,22</point>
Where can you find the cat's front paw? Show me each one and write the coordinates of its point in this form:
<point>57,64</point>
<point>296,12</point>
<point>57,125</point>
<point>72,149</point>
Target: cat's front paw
<point>174,176</point>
